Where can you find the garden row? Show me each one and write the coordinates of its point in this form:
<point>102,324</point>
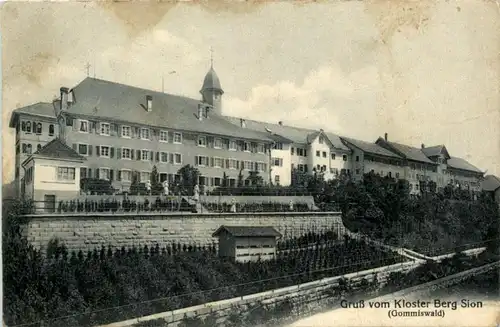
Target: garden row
<point>74,284</point>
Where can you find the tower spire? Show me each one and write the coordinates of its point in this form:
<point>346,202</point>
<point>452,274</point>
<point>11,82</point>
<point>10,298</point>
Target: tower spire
<point>211,57</point>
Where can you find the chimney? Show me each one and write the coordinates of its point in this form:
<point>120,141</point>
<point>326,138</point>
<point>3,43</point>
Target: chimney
<point>64,98</point>
<point>280,123</point>
<point>200,111</point>
<point>149,102</point>
<point>243,123</point>
<point>385,137</point>
<point>423,146</point>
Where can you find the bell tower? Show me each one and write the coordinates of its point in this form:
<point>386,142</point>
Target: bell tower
<point>211,90</point>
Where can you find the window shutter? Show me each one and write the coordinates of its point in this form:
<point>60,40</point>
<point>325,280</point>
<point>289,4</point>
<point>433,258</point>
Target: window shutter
<point>211,161</point>
<point>137,132</point>
<point>227,163</point>
<point>111,173</point>
<point>111,152</point>
<point>152,155</point>
<point>196,160</point>
<point>132,151</point>
<point>74,147</point>
<point>171,158</point>
<point>98,128</point>
<point>97,152</point>
<point>119,175</point>
<point>97,173</point>
<point>89,172</point>
<point>90,149</point>
<point>305,168</point>
<point>138,155</point>
<point>91,126</point>
<point>113,128</point>
<point>157,156</point>
<point>76,122</point>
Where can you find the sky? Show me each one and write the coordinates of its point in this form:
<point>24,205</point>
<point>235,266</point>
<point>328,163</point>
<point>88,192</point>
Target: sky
<point>422,71</point>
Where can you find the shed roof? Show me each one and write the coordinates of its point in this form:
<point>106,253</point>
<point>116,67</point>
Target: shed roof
<point>248,231</point>
<point>490,183</point>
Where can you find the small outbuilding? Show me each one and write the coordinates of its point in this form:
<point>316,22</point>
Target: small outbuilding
<point>247,243</point>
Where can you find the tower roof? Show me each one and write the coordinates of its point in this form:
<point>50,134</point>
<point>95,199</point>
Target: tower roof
<point>211,81</point>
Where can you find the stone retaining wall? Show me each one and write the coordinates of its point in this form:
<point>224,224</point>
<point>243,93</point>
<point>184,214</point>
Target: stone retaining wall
<point>89,231</point>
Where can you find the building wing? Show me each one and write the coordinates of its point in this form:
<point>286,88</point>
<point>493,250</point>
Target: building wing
<point>114,101</point>
<point>462,164</point>
<point>248,231</point>
<point>56,149</point>
<point>370,148</point>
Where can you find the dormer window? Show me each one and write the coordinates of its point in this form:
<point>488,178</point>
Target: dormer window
<point>104,128</point>
<point>218,143</point>
<point>321,139</point>
<point>233,146</point>
<point>145,133</point>
<point>202,141</point>
<point>246,146</point>
<point>84,126</point>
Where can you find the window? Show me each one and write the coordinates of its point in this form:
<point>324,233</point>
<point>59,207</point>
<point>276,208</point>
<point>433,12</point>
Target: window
<point>145,133</point>
<point>261,148</point>
<point>65,173</point>
<point>38,147</point>
<point>177,138</point>
<point>51,130</point>
<point>292,150</point>
<point>104,129</point>
<point>321,140</point>
<point>28,127</point>
<point>218,162</point>
<point>104,173</point>
<point>145,176</point>
<point>145,155</point>
<point>333,156</point>
<point>246,146</point>
<point>164,157</point>
<point>357,171</point>
<point>278,146</point>
<point>248,165</point>
<point>233,164</point>
<point>217,181</point>
<point>233,146</point>
<point>126,175</point>
<point>83,172</point>
<point>324,154</point>
<point>84,126</point>
<point>334,171</point>
<point>218,143</point>
<point>163,136</point>
<point>300,152</point>
<point>202,141</point>
<point>277,162</point>
<point>277,179</point>
<point>261,166</point>
<point>202,160</point>
<point>344,157</point>
<point>126,131</point>
<point>39,128</point>
<point>177,159</point>
<point>318,153</point>
<point>83,149</point>
<point>104,151</point>
<point>126,153</point>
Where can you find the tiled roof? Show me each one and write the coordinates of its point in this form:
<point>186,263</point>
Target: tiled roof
<point>293,134</point>
<point>411,153</point>
<point>105,99</point>
<point>432,151</point>
<point>245,231</point>
<point>56,149</point>
<point>370,147</point>
<point>459,163</point>
<point>336,141</point>
<point>44,109</point>
<point>490,183</point>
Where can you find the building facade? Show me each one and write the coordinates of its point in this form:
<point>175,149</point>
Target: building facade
<point>247,243</point>
<point>51,174</point>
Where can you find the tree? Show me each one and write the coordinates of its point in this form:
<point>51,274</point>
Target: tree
<point>255,179</point>
<point>240,178</point>
<point>136,187</point>
<point>189,178</point>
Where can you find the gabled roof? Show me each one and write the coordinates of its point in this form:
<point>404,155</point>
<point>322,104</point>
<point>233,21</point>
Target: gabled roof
<point>248,231</point>
<point>490,183</point>
<point>408,152</point>
<point>462,164</point>
<point>42,109</point>
<point>56,149</point>
<point>293,134</point>
<point>371,148</point>
<point>114,101</point>
<point>433,151</point>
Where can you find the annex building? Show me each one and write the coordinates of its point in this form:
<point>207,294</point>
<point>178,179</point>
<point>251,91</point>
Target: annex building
<point>121,131</point>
